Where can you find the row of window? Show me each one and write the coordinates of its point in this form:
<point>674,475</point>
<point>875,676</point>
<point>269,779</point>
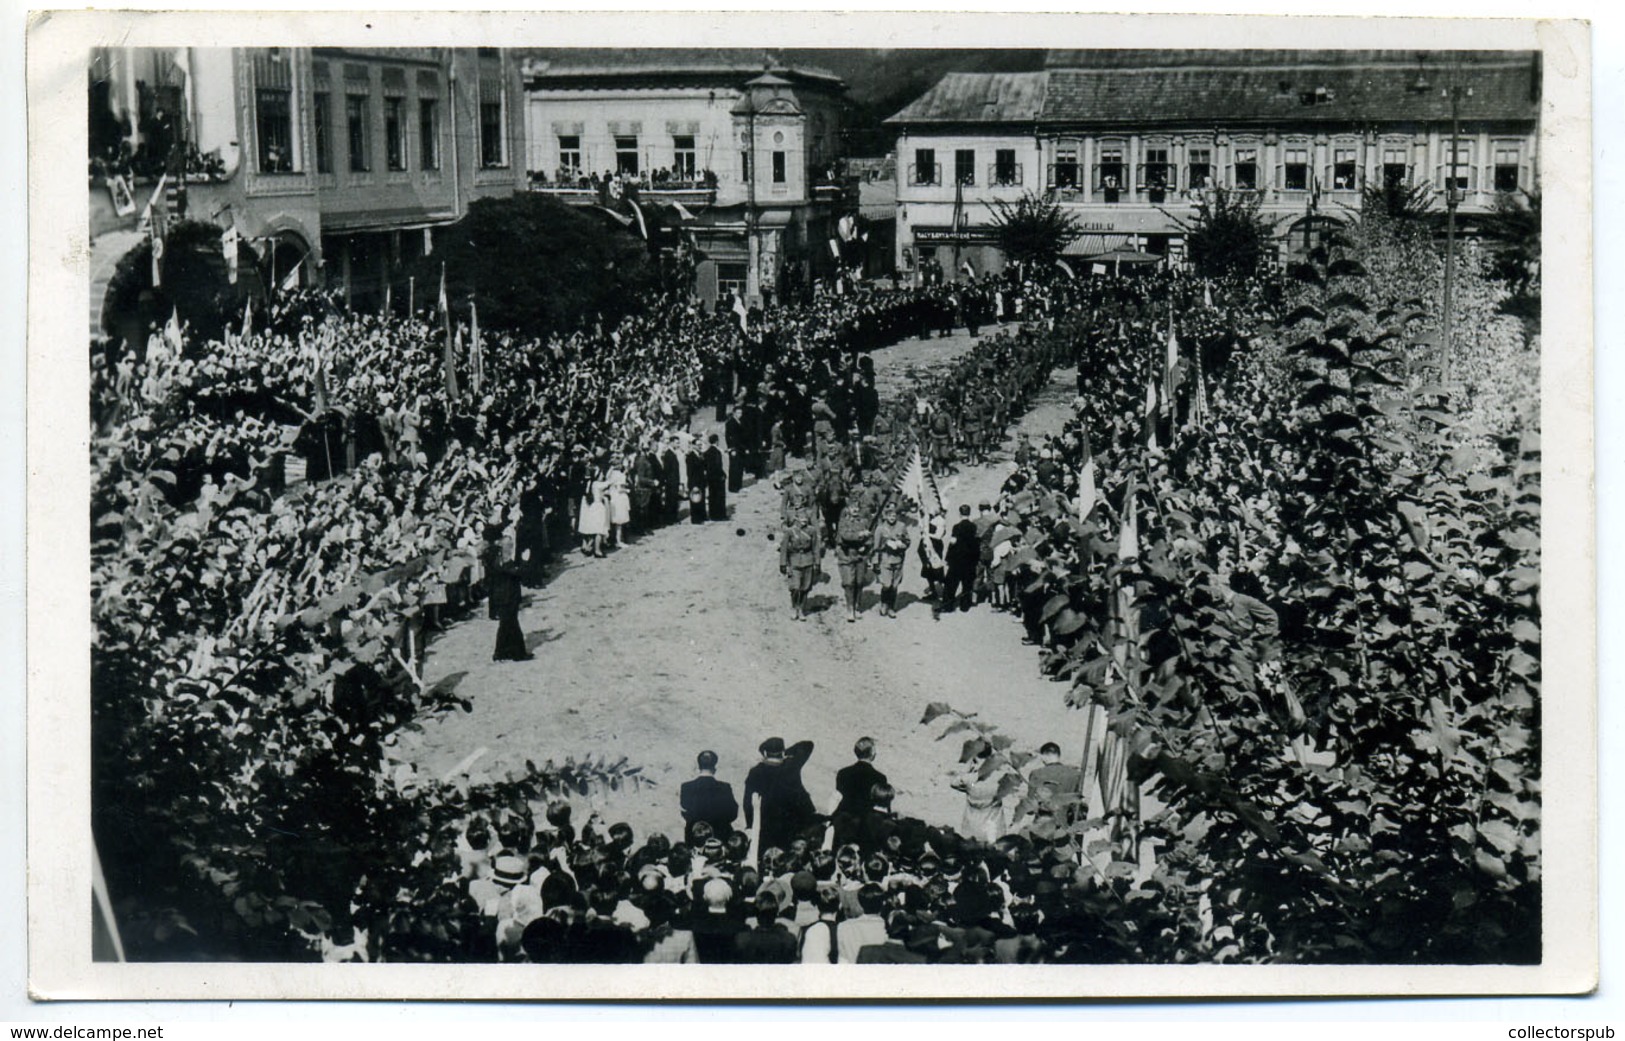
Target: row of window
<point>629,155</point>
<point>275,116</point>
<point>1157,175</point>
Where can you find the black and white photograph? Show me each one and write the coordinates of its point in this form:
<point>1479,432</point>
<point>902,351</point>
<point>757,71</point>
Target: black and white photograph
<point>970,519</point>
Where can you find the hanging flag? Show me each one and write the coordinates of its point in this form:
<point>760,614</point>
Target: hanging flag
<point>965,266</point>
<point>835,248</point>
<point>477,358</point>
<point>643,227</point>
<point>228,250</point>
<point>739,309</point>
<point>1088,491</point>
<point>428,242</point>
<point>389,298</point>
<point>448,361</point>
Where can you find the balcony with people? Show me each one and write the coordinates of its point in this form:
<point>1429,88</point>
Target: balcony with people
<point>663,185</point>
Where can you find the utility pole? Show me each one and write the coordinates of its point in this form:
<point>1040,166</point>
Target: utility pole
<point>1452,199</point>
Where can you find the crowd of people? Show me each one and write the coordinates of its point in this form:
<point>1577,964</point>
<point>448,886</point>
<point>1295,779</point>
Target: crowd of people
<point>765,877</point>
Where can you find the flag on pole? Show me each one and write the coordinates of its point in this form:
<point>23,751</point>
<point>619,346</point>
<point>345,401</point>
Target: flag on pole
<point>248,319</point>
<point>448,361</point>
<point>477,358</point>
<point>919,484</point>
<point>1170,368</point>
<point>1064,266</point>
<point>290,281</point>
<point>1128,538</point>
<point>739,309</point>
<point>389,298</point>
<point>643,227</point>
<point>172,330</point>
<point>1207,294</point>
<point>1149,429</point>
<point>1088,490</point>
<point>1198,413</point>
<point>228,250</point>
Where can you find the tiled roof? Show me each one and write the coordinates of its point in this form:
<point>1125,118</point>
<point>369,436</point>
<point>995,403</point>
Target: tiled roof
<point>1150,87</point>
<point>644,62</point>
<point>978,97</point>
<point>1295,93</point>
<point>1143,58</point>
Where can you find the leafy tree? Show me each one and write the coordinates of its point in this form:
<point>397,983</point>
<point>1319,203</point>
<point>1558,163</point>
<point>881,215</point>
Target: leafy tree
<point>1033,230</point>
<point>1228,236</point>
<point>537,266</point>
<point>194,284</point>
<point>1514,231</point>
<point>1399,202</point>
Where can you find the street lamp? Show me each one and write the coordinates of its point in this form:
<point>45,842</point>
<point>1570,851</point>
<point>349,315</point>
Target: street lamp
<point>1452,199</point>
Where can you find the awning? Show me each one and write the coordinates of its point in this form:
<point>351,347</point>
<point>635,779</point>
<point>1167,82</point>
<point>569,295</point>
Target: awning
<point>1125,256</point>
<point>1091,245</point>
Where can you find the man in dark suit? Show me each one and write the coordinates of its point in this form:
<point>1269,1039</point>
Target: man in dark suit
<point>856,785</point>
<point>716,483</point>
<point>671,483</point>
<point>734,434</point>
<point>964,553</point>
<point>707,799</point>
<point>696,483</point>
<point>780,797</point>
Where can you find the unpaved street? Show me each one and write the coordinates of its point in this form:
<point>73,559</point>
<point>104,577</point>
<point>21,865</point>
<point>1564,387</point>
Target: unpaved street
<point>684,640</point>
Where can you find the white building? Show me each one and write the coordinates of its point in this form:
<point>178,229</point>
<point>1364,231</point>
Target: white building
<point>1127,140</point>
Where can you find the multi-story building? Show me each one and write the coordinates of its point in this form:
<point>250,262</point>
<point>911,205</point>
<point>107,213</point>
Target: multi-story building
<point>748,146</point>
<point>336,163</point>
<point>1127,141</point>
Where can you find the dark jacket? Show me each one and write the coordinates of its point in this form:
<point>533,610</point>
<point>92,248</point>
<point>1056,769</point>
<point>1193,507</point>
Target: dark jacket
<point>707,799</point>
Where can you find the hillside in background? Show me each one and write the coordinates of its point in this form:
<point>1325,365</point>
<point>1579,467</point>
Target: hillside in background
<point>880,81</point>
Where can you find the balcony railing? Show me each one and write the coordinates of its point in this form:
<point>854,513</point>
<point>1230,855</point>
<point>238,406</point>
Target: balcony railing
<point>1004,175</point>
<point>923,176</point>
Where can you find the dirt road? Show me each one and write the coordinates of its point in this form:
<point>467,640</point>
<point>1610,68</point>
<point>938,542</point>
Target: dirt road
<point>683,640</point>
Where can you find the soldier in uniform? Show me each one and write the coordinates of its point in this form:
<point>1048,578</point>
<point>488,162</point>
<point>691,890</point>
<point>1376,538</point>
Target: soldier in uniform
<point>854,546</point>
<point>891,542</point>
<point>799,558</point>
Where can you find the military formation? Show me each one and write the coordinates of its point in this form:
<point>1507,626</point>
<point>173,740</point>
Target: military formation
<point>847,498</point>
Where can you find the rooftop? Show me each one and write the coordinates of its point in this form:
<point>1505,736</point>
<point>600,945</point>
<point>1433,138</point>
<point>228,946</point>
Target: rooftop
<point>644,63</point>
<point>979,97</point>
<point>1138,87</point>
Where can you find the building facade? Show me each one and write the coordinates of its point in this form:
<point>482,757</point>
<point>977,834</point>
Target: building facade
<point>1127,142</point>
<point>337,164</point>
<point>749,149</point>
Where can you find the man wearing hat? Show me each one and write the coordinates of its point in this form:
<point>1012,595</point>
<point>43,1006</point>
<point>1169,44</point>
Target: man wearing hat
<point>504,592</point>
<point>709,800</point>
<point>774,792</point>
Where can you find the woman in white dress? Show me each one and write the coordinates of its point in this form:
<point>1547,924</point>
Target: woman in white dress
<point>620,501</point>
<point>594,523</point>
